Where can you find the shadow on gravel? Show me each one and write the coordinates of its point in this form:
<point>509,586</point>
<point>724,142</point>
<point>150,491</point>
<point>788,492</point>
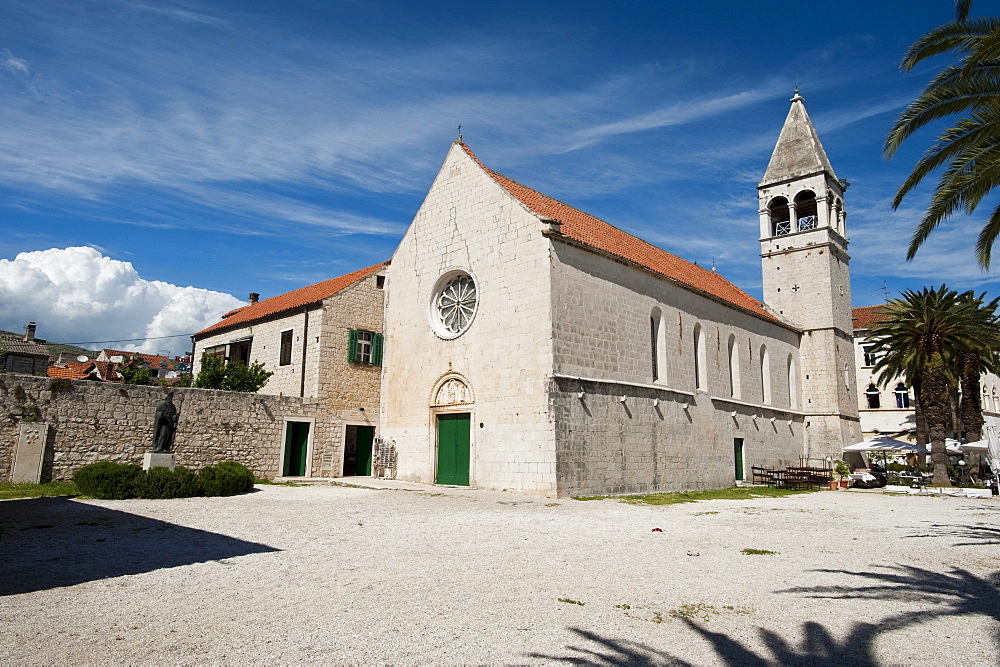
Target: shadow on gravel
<point>607,651</point>
<point>956,592</point>
<point>972,536</point>
<point>51,542</point>
<point>951,594</point>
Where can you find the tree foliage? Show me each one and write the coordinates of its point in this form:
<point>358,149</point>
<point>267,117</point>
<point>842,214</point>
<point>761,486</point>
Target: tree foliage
<point>134,372</point>
<point>932,338</point>
<point>215,373</point>
<point>969,150</point>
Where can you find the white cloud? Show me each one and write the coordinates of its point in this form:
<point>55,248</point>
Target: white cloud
<point>77,295</point>
<point>12,63</point>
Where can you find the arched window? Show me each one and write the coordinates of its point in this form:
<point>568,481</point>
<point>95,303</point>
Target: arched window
<point>700,368</point>
<point>871,394</point>
<point>792,383</point>
<point>778,212</point>
<point>805,211</point>
<point>765,374</point>
<point>734,367</point>
<point>902,396</point>
<point>658,345</point>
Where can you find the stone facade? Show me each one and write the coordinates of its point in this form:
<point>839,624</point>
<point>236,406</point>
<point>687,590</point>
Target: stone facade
<point>557,365</point>
<point>347,394</point>
<point>619,429</point>
<point>95,421</point>
<point>468,222</point>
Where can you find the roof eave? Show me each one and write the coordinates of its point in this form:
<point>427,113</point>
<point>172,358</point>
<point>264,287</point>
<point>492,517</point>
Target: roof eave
<point>680,283</point>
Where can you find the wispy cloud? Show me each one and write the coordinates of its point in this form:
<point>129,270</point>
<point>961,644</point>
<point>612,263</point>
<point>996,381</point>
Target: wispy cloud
<point>12,63</point>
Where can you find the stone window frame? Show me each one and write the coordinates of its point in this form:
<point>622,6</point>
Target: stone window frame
<point>902,396</point>
<point>364,347</point>
<point>461,305</point>
<point>872,397</point>
<point>285,348</point>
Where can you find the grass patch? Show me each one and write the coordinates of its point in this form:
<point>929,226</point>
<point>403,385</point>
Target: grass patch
<point>704,513</point>
<point>757,552</point>
<point>569,601</point>
<point>703,611</point>
<point>732,493</point>
<point>10,490</point>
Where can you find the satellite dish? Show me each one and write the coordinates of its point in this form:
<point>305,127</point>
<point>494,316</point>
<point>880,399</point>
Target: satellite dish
<point>82,358</point>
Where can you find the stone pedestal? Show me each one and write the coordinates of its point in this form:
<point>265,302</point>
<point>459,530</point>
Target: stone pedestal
<point>158,460</point>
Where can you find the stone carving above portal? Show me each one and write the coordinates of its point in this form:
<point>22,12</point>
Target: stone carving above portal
<point>453,392</point>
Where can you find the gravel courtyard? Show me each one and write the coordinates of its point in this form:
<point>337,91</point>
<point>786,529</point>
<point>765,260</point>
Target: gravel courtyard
<point>331,574</point>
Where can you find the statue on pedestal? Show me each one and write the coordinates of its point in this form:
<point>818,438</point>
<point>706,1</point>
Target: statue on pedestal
<point>164,425</point>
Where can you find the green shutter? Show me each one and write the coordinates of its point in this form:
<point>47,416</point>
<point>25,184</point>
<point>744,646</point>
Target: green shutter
<point>352,346</point>
<point>376,349</point>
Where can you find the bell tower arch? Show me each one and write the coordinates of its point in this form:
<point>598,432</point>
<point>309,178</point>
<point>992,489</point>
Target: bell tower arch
<point>807,280</point>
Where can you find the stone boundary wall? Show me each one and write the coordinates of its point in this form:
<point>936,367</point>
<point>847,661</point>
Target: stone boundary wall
<point>92,421</point>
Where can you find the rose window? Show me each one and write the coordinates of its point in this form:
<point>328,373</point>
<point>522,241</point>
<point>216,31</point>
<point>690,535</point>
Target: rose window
<point>454,305</point>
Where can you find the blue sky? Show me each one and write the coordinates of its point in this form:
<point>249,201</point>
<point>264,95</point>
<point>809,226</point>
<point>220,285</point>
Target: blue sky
<point>204,150</point>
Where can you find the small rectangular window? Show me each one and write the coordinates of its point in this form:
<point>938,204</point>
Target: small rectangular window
<point>870,357</point>
<point>285,354</point>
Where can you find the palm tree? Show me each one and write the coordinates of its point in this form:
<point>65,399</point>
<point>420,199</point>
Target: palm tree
<point>969,150</point>
<point>970,366</point>
<point>922,338</point>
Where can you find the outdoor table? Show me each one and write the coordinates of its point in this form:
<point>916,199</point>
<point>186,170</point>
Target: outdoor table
<point>863,477</point>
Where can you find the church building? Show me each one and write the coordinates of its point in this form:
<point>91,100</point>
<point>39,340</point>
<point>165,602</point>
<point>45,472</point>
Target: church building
<point>533,347</point>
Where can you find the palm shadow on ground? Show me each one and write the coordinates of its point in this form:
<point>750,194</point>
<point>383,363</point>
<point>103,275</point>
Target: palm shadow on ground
<point>954,593</point>
<point>971,535</point>
<point>51,542</point>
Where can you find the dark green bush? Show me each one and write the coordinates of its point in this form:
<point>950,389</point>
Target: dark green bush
<point>165,483</point>
<point>226,479</point>
<point>109,480</point>
<point>115,481</point>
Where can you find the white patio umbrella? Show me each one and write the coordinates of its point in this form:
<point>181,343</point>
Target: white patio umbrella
<point>885,445</point>
<point>977,447</point>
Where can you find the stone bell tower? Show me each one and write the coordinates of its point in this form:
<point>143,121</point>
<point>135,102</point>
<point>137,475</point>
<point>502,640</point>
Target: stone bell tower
<point>807,282</point>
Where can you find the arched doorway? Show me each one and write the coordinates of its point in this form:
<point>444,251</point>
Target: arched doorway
<point>452,407</point>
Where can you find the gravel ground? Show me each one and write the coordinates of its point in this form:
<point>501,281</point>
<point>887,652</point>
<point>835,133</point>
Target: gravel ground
<point>345,575</point>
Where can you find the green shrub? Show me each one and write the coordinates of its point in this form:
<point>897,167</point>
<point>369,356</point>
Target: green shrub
<point>166,483</point>
<point>115,481</point>
<point>226,479</point>
<point>108,480</point>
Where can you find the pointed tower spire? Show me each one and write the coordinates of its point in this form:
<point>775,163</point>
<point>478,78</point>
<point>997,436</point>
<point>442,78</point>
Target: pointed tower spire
<point>798,152</point>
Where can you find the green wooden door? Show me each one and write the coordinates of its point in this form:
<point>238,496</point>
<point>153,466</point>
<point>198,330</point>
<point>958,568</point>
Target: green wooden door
<point>363,462</point>
<point>296,446</point>
<point>738,455</point>
<point>453,449</point>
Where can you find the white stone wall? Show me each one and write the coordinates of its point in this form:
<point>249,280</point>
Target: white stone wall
<point>649,442</point>
<point>468,222</point>
<point>266,348</point>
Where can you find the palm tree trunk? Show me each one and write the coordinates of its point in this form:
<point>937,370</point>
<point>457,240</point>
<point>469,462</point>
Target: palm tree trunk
<point>972,407</point>
<point>920,421</point>
<point>935,396</point>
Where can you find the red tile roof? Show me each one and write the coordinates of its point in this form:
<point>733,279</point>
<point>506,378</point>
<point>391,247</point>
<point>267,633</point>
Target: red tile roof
<point>865,316</point>
<point>152,359</point>
<point>70,372</point>
<point>303,296</point>
<point>595,233</point>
